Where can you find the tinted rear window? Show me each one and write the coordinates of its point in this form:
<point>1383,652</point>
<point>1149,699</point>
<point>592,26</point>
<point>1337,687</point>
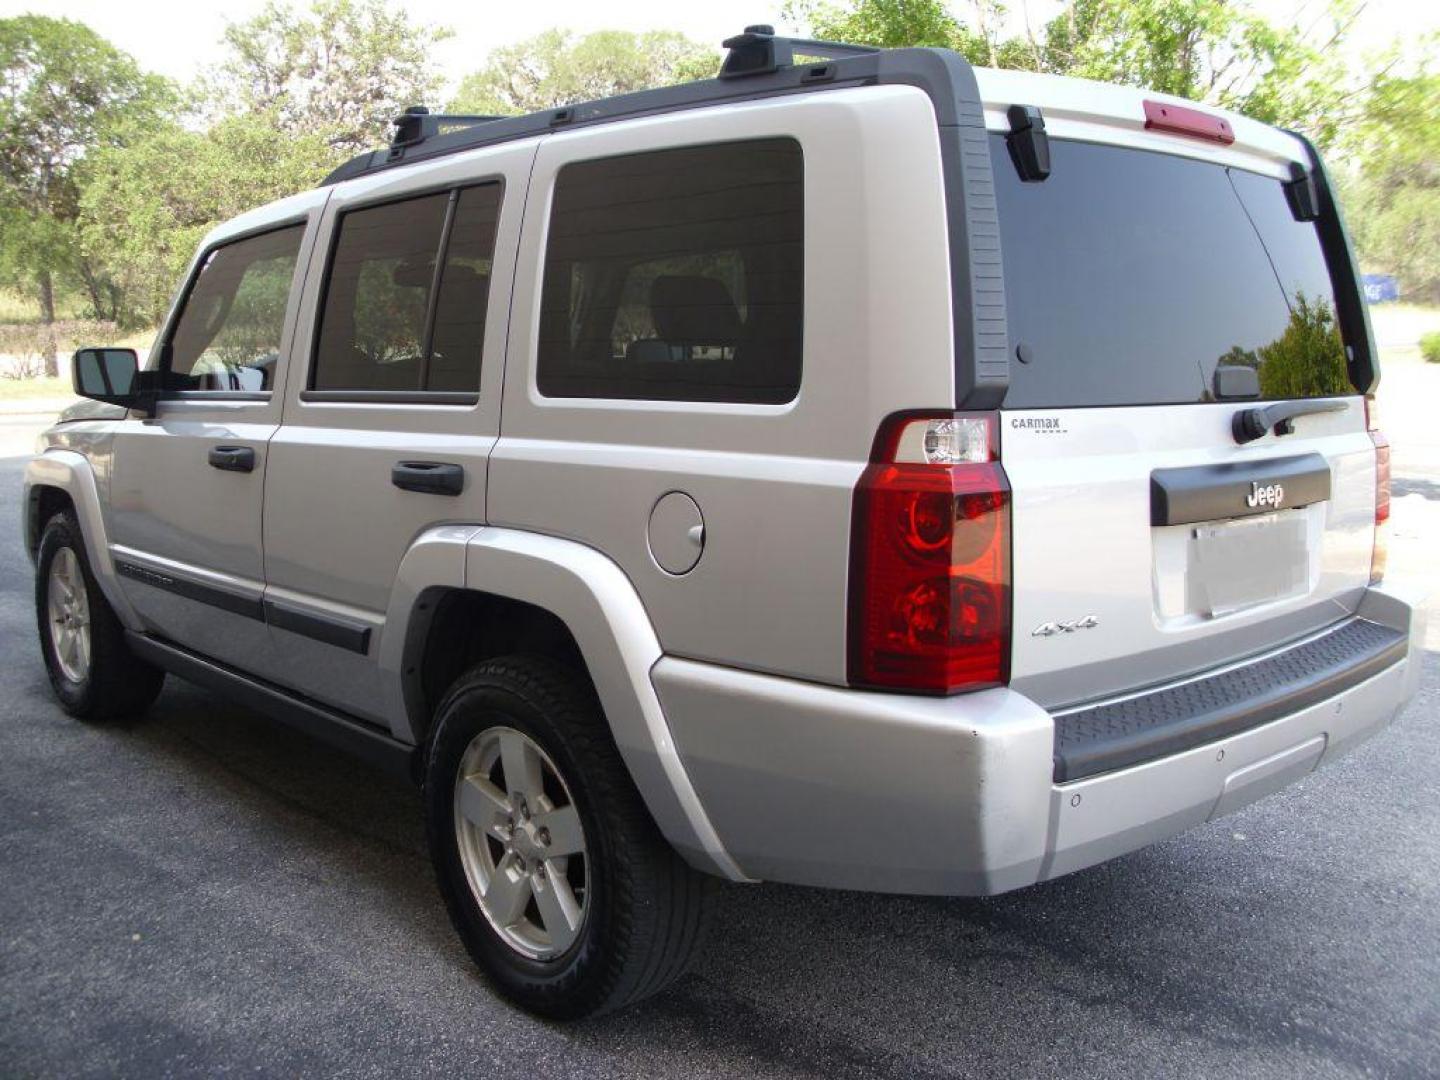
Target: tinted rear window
<point>1131,275</point>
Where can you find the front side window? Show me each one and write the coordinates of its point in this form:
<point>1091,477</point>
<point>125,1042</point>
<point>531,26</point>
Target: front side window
<point>389,321</point>
<point>676,275</point>
<point>228,334</point>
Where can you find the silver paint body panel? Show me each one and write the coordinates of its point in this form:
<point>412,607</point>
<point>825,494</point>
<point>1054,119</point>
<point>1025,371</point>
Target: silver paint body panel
<point>846,789</point>
<point>724,686</point>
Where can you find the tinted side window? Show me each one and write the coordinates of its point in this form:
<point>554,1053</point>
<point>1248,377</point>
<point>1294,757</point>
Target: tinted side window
<point>676,275</point>
<point>379,329</point>
<point>1131,275</point>
<point>229,330</point>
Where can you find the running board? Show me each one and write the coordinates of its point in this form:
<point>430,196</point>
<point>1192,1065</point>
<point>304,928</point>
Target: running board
<point>326,725</point>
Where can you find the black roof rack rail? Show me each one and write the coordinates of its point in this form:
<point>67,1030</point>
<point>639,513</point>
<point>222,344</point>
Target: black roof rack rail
<point>419,134</point>
<point>759,52</point>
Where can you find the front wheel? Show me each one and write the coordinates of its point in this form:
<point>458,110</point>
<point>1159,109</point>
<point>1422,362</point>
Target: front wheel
<point>554,874</point>
<point>91,668</point>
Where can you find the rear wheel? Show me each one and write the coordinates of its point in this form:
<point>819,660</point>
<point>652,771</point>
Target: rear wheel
<point>555,877</point>
<point>92,670</point>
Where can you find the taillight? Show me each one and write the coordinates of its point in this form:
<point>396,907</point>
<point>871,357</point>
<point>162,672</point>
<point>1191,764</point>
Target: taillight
<point>1379,553</point>
<point>930,558</point>
<point>1178,120</point>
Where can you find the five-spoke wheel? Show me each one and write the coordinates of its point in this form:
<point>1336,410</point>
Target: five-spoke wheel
<point>94,673</point>
<point>68,608</point>
<point>553,871</point>
<point>521,842</point>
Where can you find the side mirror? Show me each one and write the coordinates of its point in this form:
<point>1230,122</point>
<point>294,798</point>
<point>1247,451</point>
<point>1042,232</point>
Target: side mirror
<point>112,376</point>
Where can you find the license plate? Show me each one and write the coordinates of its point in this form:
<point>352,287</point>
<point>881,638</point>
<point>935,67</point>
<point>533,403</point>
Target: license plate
<point>1243,563</point>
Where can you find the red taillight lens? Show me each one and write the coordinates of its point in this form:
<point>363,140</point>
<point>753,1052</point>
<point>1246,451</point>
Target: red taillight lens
<point>930,574</point>
<point>1379,554</point>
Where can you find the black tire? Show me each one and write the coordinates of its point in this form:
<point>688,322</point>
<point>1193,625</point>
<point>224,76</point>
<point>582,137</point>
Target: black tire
<point>118,686</point>
<point>648,909</point>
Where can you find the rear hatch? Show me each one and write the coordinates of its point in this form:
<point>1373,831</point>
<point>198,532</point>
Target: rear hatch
<point>1144,289</point>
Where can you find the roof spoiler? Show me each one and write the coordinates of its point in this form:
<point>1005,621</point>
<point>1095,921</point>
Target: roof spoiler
<point>759,52</point>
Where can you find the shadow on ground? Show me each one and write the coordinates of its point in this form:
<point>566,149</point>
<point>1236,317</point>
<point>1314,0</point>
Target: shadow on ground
<point>205,891</point>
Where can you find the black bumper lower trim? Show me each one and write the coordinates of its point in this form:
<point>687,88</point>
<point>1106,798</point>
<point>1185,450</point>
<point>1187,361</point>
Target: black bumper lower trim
<point>1175,718</point>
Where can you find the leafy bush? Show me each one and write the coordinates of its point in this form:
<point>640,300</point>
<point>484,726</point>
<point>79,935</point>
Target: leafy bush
<point>1308,359</point>
<point>23,346</point>
<point>1430,346</point>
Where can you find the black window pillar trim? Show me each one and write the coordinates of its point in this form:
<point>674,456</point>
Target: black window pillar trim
<point>977,277</point>
<point>1351,310</point>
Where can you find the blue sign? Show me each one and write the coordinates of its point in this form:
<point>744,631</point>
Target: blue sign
<point>1380,288</point>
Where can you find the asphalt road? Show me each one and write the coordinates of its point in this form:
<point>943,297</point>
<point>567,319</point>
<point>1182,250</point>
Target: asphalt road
<point>206,894</point>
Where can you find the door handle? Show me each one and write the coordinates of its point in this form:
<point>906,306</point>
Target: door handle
<point>233,458</point>
<point>430,477</point>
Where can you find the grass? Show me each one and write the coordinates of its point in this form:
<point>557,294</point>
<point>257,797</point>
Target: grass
<point>34,389</point>
<point>22,307</point>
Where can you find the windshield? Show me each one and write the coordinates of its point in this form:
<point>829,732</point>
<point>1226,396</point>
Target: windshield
<point>1130,276</point>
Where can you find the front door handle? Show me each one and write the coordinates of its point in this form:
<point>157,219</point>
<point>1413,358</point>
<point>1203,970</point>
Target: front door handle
<point>233,458</point>
<point>430,477</point>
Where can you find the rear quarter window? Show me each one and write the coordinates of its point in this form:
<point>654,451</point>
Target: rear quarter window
<point>676,275</point>
<point>1131,275</point>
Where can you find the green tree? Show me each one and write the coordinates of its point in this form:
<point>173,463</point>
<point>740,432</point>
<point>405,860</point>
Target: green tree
<point>555,68</point>
<point>341,70</point>
<point>146,206</point>
<point>1215,51</point>
<point>1392,183</point>
<point>893,24</point>
<point>1308,359</point>
<point>64,91</point>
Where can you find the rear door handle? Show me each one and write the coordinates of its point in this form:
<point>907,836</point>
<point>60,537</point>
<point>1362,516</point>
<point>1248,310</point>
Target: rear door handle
<point>233,458</point>
<point>430,477</point>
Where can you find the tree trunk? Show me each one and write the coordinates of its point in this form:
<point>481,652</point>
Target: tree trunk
<point>47,319</point>
<point>94,288</point>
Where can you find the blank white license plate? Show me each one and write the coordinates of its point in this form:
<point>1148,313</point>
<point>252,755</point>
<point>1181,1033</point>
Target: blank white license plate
<point>1243,563</point>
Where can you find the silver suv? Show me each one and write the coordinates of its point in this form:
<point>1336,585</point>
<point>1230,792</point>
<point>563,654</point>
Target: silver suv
<point>862,471</point>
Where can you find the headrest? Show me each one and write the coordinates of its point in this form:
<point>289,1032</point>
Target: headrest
<point>414,272</point>
<point>693,310</point>
<point>460,285</point>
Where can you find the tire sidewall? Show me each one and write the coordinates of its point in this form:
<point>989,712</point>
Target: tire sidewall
<point>61,532</point>
<point>548,986</point>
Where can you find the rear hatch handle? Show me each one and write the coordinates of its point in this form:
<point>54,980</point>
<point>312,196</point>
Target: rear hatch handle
<point>1251,424</point>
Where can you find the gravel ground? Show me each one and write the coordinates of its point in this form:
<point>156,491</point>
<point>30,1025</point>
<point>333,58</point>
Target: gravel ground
<point>207,894</point>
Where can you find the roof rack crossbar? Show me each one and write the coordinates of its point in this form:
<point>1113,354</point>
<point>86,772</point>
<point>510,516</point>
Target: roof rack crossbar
<point>759,52</point>
<point>417,123</point>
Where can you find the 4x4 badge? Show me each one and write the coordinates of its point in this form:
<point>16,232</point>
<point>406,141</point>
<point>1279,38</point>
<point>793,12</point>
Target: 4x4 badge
<point>1050,629</point>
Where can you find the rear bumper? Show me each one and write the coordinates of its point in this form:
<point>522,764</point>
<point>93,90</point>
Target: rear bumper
<point>823,786</point>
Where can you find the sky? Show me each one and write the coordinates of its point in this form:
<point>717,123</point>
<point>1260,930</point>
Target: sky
<point>182,40</point>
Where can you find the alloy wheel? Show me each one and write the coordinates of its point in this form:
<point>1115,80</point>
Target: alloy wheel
<point>68,607</point>
<point>521,843</point>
